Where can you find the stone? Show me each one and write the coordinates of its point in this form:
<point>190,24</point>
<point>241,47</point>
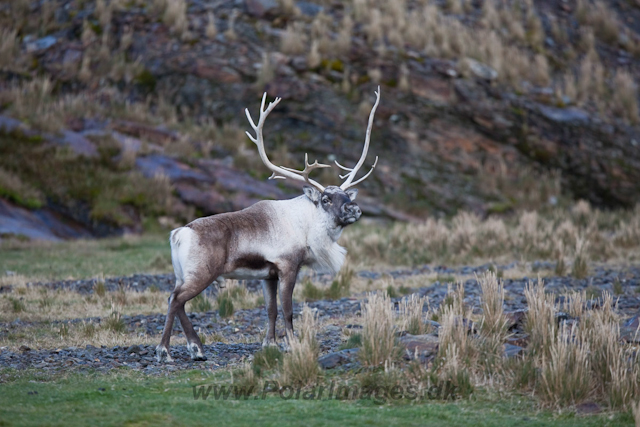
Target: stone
<point>421,346</point>
<point>511,350</point>
<point>262,8</point>
<point>150,133</point>
<point>134,349</point>
<point>309,9</point>
<point>176,171</point>
<point>481,70</point>
<point>127,143</point>
<point>71,56</point>
<point>40,44</point>
<point>570,115</point>
<point>78,143</point>
<point>433,89</point>
<point>335,359</point>
<point>516,318</point>
<point>9,124</point>
<point>219,73</point>
<point>41,224</point>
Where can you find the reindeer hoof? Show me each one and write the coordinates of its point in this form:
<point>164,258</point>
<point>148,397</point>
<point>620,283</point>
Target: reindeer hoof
<point>163,354</point>
<point>269,343</point>
<point>196,353</point>
<point>285,347</point>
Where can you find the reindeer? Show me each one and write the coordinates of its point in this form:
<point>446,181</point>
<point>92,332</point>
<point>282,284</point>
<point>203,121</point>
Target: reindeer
<point>268,241</point>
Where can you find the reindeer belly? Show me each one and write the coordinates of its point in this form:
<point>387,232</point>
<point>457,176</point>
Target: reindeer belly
<point>252,267</point>
<point>249,274</point>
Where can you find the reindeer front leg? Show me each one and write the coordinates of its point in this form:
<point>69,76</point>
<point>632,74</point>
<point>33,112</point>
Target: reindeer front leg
<point>270,292</point>
<point>287,283</point>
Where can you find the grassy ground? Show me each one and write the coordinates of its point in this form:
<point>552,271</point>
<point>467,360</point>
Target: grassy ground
<point>572,237</point>
<point>87,258</point>
<point>134,398</point>
<point>127,398</point>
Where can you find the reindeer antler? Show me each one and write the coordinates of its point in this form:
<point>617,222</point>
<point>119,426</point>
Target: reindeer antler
<point>280,172</point>
<point>353,171</point>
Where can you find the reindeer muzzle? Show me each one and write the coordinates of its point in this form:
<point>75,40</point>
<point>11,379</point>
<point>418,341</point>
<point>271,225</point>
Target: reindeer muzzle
<point>350,213</point>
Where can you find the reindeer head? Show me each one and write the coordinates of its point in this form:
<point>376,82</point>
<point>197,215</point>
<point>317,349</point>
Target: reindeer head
<point>336,202</point>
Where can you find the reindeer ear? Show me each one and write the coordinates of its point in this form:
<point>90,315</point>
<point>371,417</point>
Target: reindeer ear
<point>312,193</point>
<point>352,193</point>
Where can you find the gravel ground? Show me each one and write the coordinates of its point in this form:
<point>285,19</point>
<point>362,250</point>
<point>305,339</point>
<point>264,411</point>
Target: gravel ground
<point>244,331</point>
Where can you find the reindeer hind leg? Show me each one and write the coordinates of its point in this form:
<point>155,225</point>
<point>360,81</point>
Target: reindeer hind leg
<point>194,344</point>
<point>162,350</point>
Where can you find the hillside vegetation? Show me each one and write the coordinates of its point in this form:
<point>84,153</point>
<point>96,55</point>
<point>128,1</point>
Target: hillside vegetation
<point>488,106</point>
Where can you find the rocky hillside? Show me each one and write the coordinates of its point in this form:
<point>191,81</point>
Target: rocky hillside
<point>486,106</point>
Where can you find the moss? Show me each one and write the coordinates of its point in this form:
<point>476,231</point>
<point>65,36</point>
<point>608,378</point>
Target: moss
<point>27,202</point>
<point>391,82</point>
<point>500,208</point>
<point>146,81</point>
<point>96,27</point>
<point>333,64</point>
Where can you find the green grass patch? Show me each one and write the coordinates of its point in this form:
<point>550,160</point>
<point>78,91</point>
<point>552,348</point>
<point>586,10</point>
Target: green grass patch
<point>128,398</point>
<point>86,258</point>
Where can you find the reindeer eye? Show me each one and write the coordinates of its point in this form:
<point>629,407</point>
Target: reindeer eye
<point>326,200</point>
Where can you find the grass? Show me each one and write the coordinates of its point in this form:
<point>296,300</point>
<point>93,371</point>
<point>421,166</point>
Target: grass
<point>379,332</point>
<point>581,235</point>
<point>127,398</point>
<point>300,364</point>
<point>81,259</point>
<point>339,288</point>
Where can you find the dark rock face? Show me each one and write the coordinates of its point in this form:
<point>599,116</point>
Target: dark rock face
<point>41,224</point>
<point>436,139</point>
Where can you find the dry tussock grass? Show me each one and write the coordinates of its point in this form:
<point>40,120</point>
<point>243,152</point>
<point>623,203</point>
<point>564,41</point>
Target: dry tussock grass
<point>564,378</point>
<point>300,364</point>
<point>41,304</point>
<point>565,363</point>
<point>412,315</point>
<point>529,235</point>
<point>508,36</point>
<point>379,331</point>
<point>540,318</point>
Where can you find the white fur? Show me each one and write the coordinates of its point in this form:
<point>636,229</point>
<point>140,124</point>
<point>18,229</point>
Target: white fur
<point>295,224</point>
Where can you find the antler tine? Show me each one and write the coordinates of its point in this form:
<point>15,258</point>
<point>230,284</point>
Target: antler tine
<point>342,167</point>
<point>352,174</point>
<point>278,172</point>
<point>373,166</point>
<point>307,167</point>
